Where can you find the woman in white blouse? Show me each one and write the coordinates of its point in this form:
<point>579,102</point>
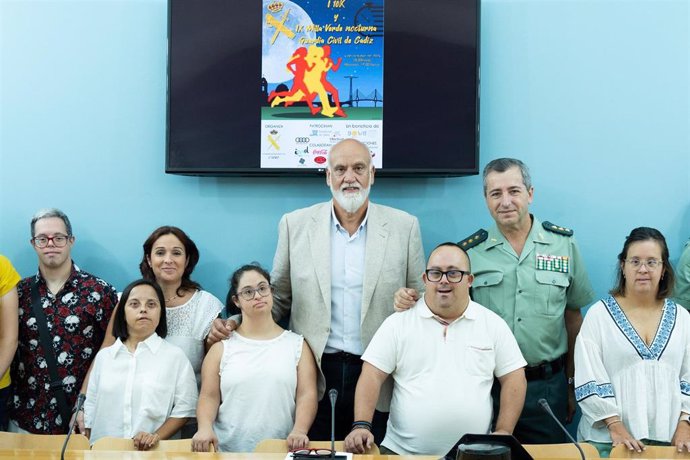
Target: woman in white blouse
<point>169,259</point>
<point>260,383</point>
<point>141,387</point>
<point>632,356</point>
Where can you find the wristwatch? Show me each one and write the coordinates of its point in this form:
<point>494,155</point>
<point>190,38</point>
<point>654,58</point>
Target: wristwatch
<point>684,418</point>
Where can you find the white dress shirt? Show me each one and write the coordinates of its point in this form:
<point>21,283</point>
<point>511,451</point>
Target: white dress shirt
<point>347,278</point>
<point>133,392</point>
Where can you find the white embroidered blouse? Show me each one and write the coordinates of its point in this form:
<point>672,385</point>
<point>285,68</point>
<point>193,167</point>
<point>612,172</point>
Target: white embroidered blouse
<point>190,323</point>
<point>616,373</point>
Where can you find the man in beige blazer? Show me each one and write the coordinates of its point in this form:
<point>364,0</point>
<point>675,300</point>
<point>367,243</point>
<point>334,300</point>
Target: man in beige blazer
<point>336,268</point>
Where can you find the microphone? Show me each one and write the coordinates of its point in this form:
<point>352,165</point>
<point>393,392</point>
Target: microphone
<point>80,402</point>
<point>333,395</point>
<point>546,408</point>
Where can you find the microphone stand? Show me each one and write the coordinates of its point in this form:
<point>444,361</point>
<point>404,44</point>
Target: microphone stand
<point>80,402</point>
<point>333,395</point>
<point>546,408</point>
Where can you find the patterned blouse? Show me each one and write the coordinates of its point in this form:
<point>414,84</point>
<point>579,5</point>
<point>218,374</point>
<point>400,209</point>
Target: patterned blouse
<point>617,373</point>
<point>77,319</point>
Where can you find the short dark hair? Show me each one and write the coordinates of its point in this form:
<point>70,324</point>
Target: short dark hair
<point>235,282</point>
<point>500,165</point>
<point>646,234</point>
<point>454,245</point>
<point>47,213</point>
<point>120,321</point>
<point>189,248</point>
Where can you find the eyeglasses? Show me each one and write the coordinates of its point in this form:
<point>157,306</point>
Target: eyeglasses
<point>58,240</point>
<point>453,276</point>
<point>312,453</point>
<point>248,293</point>
<point>650,263</point>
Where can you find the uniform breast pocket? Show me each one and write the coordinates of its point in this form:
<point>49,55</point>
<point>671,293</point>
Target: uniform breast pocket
<point>487,289</point>
<point>480,360</point>
<point>552,292</point>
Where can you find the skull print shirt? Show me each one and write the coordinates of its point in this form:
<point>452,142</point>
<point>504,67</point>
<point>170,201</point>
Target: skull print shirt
<point>77,319</point>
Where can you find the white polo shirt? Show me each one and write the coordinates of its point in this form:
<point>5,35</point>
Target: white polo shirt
<point>442,375</point>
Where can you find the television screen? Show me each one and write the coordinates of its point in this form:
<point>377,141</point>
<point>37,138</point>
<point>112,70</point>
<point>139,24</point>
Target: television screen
<point>264,88</point>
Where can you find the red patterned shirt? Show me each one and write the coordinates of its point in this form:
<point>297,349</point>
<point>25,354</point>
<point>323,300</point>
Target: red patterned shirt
<point>77,319</point>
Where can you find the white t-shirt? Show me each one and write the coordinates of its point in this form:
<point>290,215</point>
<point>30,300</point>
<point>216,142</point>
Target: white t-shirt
<point>258,383</point>
<point>133,392</point>
<point>190,323</point>
<point>442,375</point>
<point>616,373</point>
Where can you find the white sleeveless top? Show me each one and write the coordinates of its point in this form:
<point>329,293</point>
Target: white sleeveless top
<point>258,382</point>
<point>190,323</point>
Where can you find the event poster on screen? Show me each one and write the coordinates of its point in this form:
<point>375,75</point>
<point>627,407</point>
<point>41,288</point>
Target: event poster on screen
<point>322,79</point>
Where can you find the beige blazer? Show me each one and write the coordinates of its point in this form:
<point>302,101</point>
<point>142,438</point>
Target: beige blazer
<point>302,273</point>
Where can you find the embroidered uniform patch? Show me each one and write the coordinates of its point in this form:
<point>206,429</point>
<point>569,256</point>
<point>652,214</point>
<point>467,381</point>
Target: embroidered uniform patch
<point>551,263</point>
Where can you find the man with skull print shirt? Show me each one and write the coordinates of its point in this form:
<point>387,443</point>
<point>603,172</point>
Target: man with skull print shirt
<point>77,307</point>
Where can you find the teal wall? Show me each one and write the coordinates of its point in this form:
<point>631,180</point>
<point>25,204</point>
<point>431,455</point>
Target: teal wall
<point>593,95</point>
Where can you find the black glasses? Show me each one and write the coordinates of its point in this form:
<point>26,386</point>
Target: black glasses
<point>312,453</point>
<point>58,240</point>
<point>264,290</point>
<point>453,276</point>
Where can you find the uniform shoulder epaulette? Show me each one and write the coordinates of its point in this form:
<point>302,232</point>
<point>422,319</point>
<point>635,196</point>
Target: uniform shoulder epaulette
<point>557,229</point>
<point>478,237</point>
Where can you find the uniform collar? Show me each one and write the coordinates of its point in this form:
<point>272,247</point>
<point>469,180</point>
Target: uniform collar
<point>536,234</point>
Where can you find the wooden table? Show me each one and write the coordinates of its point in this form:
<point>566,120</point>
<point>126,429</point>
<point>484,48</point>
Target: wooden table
<point>32,454</point>
<point>118,455</point>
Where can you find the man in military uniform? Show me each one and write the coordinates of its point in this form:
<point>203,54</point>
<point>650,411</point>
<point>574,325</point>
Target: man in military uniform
<point>531,274</point>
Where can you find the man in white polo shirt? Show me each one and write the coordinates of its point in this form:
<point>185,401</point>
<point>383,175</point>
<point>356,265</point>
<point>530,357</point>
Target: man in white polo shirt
<point>443,355</point>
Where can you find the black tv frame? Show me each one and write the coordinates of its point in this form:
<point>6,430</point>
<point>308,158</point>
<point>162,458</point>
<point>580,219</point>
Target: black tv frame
<point>173,167</point>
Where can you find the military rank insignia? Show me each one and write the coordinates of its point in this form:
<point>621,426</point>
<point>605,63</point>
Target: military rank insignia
<point>551,263</point>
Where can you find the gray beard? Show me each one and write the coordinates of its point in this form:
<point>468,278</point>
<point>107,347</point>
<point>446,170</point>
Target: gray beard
<point>351,202</point>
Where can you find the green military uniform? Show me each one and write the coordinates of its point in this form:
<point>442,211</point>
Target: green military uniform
<point>681,293</point>
<point>531,292</point>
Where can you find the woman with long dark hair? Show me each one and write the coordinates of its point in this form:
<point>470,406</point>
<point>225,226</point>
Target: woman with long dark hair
<point>632,356</point>
<point>169,259</point>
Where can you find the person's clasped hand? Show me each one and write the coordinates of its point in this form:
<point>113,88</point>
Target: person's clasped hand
<point>145,441</point>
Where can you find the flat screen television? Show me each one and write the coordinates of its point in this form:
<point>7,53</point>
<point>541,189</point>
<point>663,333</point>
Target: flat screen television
<point>264,88</point>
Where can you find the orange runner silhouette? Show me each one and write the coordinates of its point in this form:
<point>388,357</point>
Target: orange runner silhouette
<point>310,68</point>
